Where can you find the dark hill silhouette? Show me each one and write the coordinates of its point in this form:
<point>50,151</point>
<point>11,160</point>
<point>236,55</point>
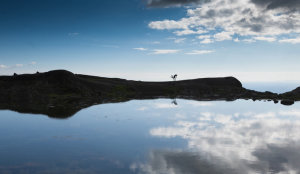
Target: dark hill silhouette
<point>61,93</point>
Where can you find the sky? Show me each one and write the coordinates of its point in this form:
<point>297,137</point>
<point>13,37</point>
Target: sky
<point>253,40</point>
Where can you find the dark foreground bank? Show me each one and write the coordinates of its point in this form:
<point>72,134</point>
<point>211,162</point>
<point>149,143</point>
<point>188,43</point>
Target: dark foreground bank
<point>61,93</point>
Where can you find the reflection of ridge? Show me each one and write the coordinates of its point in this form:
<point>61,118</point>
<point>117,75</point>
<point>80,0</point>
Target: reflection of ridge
<point>246,143</point>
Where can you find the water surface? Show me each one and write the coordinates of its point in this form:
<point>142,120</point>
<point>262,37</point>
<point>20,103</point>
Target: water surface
<point>155,136</point>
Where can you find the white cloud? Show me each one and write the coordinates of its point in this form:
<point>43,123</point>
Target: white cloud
<point>236,40</point>
<point>200,52</point>
<point>292,41</point>
<point>223,36</point>
<point>33,63</point>
<point>177,40</point>
<point>141,49</point>
<point>268,39</point>
<point>245,18</point>
<point>162,51</point>
<point>2,66</point>
<point>203,37</point>
<point>189,32</point>
<point>19,65</point>
<point>155,42</point>
<point>180,40</point>
<point>168,24</point>
<point>207,41</point>
<point>249,40</point>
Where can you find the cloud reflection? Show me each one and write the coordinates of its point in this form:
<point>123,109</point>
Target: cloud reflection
<point>266,142</point>
<point>179,162</point>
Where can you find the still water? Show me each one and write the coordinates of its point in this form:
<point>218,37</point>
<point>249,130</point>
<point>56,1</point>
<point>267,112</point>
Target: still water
<point>155,137</point>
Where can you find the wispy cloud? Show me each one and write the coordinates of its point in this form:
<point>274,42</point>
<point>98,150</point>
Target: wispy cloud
<point>292,41</point>
<point>162,51</point>
<point>19,65</point>
<point>207,41</point>
<point>199,52</point>
<point>155,42</point>
<point>179,40</point>
<point>2,66</point>
<point>268,39</point>
<point>249,40</point>
<point>73,34</point>
<point>110,46</point>
<point>189,32</point>
<point>141,49</point>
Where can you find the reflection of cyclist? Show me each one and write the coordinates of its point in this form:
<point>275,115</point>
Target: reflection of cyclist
<point>174,102</point>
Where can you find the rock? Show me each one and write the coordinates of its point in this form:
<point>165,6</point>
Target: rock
<point>287,102</point>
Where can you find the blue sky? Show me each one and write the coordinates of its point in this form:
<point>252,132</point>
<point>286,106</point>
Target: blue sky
<point>150,40</point>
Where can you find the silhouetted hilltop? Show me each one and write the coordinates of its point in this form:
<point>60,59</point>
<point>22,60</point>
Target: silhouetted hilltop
<point>61,93</point>
<point>292,95</point>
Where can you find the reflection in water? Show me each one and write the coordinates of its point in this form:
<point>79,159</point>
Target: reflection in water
<point>179,162</point>
<point>156,137</point>
<point>174,102</point>
<point>244,142</point>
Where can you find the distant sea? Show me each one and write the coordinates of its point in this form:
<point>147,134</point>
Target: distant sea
<point>277,87</point>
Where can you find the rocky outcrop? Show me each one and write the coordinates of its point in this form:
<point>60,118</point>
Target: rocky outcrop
<point>292,95</point>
